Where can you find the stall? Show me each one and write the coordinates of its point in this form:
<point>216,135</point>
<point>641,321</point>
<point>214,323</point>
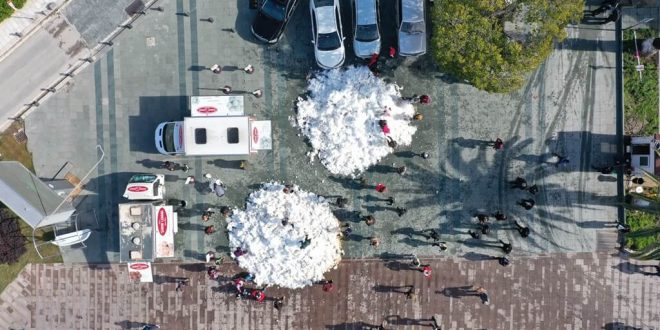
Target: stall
<point>146,232</point>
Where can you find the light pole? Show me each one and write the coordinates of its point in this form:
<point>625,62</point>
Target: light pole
<point>643,21</point>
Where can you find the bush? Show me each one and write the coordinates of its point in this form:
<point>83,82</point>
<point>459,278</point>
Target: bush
<point>640,95</point>
<point>638,221</point>
<point>12,241</point>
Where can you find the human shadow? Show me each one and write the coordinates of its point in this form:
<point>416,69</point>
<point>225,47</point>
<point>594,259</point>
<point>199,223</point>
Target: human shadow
<point>399,266</point>
<point>151,164</point>
<point>194,267</point>
<point>406,321</point>
<point>227,164</point>
<point>352,325</point>
<point>474,256</point>
<point>630,268</point>
<point>459,291</point>
<point>126,324</point>
<point>471,143</point>
<point>619,326</point>
<point>197,68</point>
<point>392,288</point>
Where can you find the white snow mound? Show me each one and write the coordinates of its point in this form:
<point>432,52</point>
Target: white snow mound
<point>274,253</point>
<point>340,119</point>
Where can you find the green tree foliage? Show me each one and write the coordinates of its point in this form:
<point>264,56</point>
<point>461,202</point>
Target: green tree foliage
<point>469,40</point>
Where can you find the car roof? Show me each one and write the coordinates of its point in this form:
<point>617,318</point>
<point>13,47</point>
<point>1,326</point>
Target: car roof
<point>412,10</point>
<point>325,19</point>
<point>365,12</point>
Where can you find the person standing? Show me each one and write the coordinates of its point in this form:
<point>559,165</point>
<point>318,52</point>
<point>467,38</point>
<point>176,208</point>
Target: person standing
<point>381,188</point>
<point>278,303</point>
<point>506,247</point>
<point>249,69</point>
<point>400,211</point>
<point>415,262</point>
<point>215,68</point>
<point>524,231</point>
<point>426,270</point>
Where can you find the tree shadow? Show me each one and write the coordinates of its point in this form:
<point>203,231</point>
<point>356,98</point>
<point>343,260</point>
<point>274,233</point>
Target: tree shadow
<point>352,326</point>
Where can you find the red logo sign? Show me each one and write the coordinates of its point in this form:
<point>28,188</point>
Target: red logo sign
<point>255,135</point>
<point>207,109</point>
<point>181,135</point>
<point>138,188</point>
<point>140,266</point>
<point>162,221</point>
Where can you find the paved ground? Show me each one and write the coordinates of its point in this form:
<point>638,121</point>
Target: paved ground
<point>566,107</point>
<point>562,291</point>
<point>38,44</point>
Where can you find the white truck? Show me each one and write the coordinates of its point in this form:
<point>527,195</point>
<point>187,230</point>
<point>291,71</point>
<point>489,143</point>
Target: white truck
<point>217,127</point>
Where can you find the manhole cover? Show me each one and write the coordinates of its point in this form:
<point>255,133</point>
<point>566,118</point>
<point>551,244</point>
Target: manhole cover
<point>20,136</point>
<point>151,41</point>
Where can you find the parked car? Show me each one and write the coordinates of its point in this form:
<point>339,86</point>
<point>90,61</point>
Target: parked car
<point>327,33</point>
<point>366,40</point>
<point>272,19</point>
<point>412,27</point>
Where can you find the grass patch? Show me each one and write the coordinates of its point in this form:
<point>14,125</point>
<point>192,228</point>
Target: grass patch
<point>639,221</point>
<point>6,11</point>
<point>640,95</point>
<point>13,149</point>
<point>8,272</point>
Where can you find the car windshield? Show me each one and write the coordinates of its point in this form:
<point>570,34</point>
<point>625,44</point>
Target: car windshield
<point>142,178</point>
<point>328,41</point>
<point>274,10</point>
<point>168,137</point>
<point>366,32</point>
<point>412,27</point>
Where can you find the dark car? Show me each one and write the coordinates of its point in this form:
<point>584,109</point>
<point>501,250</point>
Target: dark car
<point>272,18</point>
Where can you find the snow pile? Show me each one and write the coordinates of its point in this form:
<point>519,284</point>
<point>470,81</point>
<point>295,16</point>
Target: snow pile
<point>273,249</point>
<point>341,114</point>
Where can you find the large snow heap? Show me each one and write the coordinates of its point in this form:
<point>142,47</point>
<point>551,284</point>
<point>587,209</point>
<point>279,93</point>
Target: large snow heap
<point>340,119</point>
<point>275,250</point>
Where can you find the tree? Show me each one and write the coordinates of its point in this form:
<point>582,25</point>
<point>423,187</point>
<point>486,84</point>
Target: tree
<point>494,43</point>
<point>12,241</point>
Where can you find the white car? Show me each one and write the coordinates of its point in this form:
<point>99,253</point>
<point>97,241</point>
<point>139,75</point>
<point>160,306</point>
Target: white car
<point>366,41</point>
<point>412,27</point>
<point>327,33</point>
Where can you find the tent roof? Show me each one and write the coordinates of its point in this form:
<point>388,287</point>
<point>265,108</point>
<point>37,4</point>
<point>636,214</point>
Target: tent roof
<point>29,197</point>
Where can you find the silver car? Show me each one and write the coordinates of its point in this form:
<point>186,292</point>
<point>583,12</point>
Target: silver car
<point>412,27</point>
<point>327,33</point>
<point>366,41</point>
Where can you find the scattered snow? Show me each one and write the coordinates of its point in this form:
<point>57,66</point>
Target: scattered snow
<point>340,119</point>
<point>274,254</point>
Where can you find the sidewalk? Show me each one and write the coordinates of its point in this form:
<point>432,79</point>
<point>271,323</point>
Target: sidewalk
<point>559,291</point>
<point>21,25</point>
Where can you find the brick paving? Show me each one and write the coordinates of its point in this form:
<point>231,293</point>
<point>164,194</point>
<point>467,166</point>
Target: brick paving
<point>559,291</point>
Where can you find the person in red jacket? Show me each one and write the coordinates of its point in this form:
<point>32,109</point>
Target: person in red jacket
<point>426,270</point>
<point>258,295</point>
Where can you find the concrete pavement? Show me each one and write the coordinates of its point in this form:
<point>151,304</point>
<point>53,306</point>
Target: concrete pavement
<point>559,291</point>
<point>567,107</point>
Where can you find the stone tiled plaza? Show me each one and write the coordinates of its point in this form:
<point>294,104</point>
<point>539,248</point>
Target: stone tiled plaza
<point>568,274</point>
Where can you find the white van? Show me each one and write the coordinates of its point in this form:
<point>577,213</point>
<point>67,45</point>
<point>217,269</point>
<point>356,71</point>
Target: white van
<point>217,127</point>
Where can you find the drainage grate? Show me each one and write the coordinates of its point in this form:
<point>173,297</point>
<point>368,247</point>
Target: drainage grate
<point>20,136</point>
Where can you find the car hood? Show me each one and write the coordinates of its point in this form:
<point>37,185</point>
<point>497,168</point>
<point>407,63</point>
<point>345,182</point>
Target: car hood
<point>266,27</point>
<point>330,59</point>
<point>366,49</point>
<point>412,44</point>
